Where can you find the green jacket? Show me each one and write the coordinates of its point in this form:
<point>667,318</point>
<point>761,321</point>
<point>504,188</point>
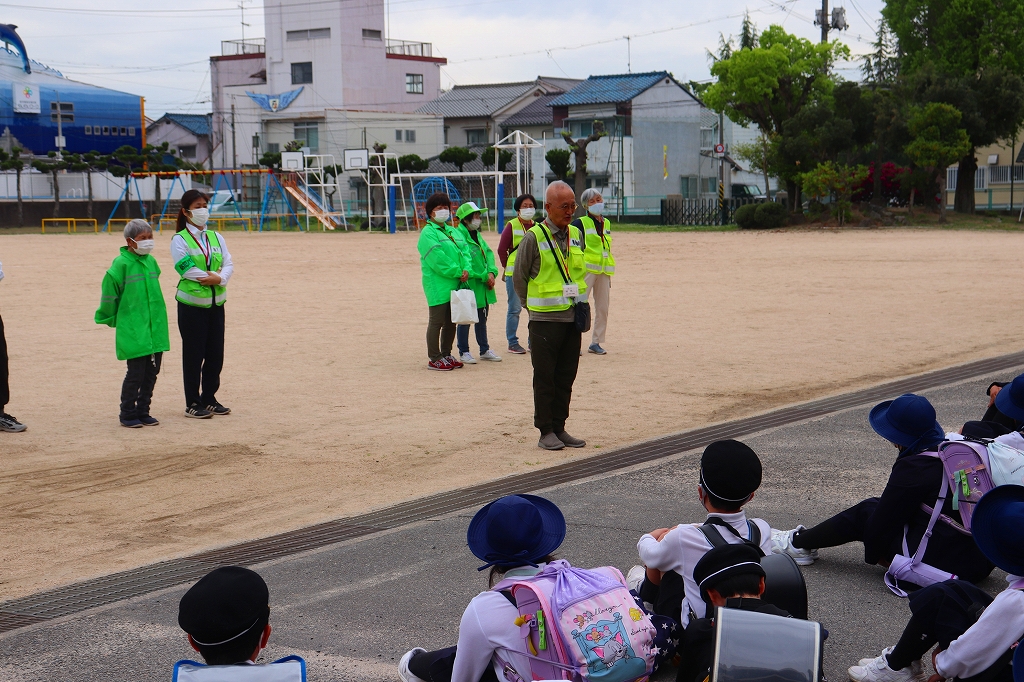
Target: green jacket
<point>443,257</point>
<point>481,260</point>
<point>133,304</point>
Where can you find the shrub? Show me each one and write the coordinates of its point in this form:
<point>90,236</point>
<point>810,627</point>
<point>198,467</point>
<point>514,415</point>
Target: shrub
<point>744,216</point>
<point>770,215</point>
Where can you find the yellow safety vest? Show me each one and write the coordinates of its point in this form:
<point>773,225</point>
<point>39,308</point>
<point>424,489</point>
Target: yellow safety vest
<point>598,254</point>
<point>191,292</point>
<point>518,232</point>
<point>544,292</point>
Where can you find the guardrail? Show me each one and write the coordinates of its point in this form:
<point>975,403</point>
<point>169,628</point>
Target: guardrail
<point>71,223</point>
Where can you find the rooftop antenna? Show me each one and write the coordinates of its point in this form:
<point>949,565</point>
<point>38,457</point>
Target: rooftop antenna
<point>629,55</point>
<point>241,7</point>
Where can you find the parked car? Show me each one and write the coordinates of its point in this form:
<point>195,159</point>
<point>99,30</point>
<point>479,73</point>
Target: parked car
<point>744,191</point>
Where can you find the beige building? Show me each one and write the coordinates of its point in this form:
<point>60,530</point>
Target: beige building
<point>1000,175</point>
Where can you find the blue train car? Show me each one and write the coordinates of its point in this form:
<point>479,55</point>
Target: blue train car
<point>33,95</point>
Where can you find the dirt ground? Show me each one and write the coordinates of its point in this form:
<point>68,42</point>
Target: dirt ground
<point>334,411</point>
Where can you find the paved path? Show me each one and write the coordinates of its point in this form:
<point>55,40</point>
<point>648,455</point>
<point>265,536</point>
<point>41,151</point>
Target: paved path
<point>351,609</point>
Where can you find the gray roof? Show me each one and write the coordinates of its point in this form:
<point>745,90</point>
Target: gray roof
<point>476,101</point>
<point>615,88</point>
<point>537,112</point>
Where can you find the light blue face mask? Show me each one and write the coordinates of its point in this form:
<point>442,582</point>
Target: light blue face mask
<point>597,209</point>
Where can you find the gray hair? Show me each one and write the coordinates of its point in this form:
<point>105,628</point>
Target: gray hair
<point>588,194</point>
<point>136,227</point>
<point>557,184</point>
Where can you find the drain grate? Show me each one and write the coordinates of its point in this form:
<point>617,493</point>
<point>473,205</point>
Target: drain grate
<point>78,597</point>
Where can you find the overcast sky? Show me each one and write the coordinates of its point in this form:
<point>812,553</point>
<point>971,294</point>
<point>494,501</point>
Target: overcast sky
<point>161,50</point>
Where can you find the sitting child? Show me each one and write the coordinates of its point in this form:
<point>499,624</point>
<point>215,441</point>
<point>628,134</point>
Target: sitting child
<point>726,576</point>
<point>730,473</point>
<point>226,616</point>
<point>947,614</point>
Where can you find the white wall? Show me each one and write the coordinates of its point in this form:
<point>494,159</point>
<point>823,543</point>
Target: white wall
<point>37,186</point>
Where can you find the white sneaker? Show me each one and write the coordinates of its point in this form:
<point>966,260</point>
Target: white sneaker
<point>490,356</point>
<point>782,543</point>
<point>403,666</point>
<point>916,666</point>
<point>467,359</point>
<point>878,670</point>
<point>635,578</point>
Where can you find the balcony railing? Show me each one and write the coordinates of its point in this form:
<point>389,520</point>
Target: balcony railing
<point>410,49</point>
<point>1000,175</point>
<point>247,46</point>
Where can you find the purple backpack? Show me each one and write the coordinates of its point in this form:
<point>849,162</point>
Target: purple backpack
<point>580,625</point>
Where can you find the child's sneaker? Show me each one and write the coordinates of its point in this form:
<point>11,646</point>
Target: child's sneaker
<point>149,421</point>
<point>782,543</point>
<point>131,423</point>
<point>403,666</point>
<point>196,412</point>
<point>490,356</point>
<point>915,666</point>
<point>878,670</point>
<point>635,578</point>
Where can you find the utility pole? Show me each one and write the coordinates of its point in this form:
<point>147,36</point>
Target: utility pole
<point>234,150</point>
<point>60,130</point>
<point>828,21</point>
<point>629,55</point>
<point>825,23</point>
<point>721,166</point>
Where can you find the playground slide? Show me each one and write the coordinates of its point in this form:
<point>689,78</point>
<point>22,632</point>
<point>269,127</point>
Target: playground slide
<point>314,206</point>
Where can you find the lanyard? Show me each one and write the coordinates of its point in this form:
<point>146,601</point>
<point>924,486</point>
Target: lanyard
<point>208,251</point>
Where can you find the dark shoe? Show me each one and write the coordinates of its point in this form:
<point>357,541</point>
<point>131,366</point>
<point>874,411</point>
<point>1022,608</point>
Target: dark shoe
<point>10,424</point>
<point>550,441</point>
<point>569,441</point>
<point>596,349</point>
<point>217,409</point>
<point>196,412</point>
<point>131,423</point>
<point>516,349</point>
<point>149,421</point>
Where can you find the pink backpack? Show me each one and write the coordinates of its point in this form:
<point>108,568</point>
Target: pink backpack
<point>580,625</point>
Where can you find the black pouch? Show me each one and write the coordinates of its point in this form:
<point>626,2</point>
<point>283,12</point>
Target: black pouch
<point>582,312</point>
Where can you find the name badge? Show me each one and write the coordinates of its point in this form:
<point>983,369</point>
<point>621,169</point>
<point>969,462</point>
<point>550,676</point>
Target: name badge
<point>570,290</point>
<point>605,254</point>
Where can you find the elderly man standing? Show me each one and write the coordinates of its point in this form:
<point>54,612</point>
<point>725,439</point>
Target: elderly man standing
<point>550,277</point>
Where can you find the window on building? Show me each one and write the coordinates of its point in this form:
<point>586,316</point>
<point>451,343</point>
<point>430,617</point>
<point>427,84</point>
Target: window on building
<point>308,34</point>
<point>476,136</point>
<point>302,72</point>
<point>446,134</point>
<point>106,130</point>
<point>410,135</point>
<point>67,112</point>
<point>398,136</point>
<point>414,83</point>
<point>712,185</point>
<point>131,132</point>
<point>581,128</point>
<point>273,148</point>
<point>372,34</point>
<point>88,130</point>
<point>124,131</point>
<point>113,130</point>
<point>308,133</point>
<point>187,151</point>
<point>708,138</point>
<point>689,187</point>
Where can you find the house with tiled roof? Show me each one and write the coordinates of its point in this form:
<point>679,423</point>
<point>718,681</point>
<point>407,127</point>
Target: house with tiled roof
<point>475,115</point>
<point>187,134</point>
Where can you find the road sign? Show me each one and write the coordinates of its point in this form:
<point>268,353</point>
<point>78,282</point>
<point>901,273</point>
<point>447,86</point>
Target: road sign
<point>719,148</point>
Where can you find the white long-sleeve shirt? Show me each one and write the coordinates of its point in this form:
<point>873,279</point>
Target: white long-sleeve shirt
<point>179,249</point>
<point>488,626</point>
<point>973,652</point>
<point>683,546</point>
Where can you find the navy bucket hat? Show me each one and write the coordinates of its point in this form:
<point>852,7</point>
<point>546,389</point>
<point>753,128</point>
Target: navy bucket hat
<point>516,530</point>
<point>908,421</point>
<point>998,527</point>
<point>1010,399</point>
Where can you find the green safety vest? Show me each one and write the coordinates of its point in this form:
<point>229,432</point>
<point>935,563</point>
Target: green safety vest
<point>598,254</point>
<point>544,292</point>
<point>191,292</point>
<point>518,232</point>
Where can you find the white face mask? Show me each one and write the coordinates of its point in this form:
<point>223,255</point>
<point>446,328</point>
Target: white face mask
<point>527,213</point>
<point>596,209</point>
<point>199,216</point>
<point>144,246</point>
<point>474,224</point>
<point>442,215</point>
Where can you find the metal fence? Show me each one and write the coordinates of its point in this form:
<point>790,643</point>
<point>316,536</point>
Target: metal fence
<point>701,211</point>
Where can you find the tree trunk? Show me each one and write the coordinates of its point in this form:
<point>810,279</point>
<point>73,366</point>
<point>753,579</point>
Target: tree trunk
<point>580,180</point>
<point>910,207</point>
<point>791,195</point>
<point>56,196</point>
<point>963,202</point>
<point>942,193</point>
<point>764,167</point>
<point>88,207</point>
<point>156,196</point>
<point>21,214</point>
<point>128,196</point>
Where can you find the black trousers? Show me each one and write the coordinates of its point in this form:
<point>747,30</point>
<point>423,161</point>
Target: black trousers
<point>943,612</point>
<point>436,666</point>
<point>202,351</point>
<point>440,331</point>
<point>137,389</point>
<point>5,387</point>
<point>846,526</point>
<point>555,351</point>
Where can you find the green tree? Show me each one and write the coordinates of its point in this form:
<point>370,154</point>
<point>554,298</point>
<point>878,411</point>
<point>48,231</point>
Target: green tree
<point>271,160</point>
<point>560,161</point>
<point>759,155</point>
<point>837,181</point>
<point>457,156</point>
<point>937,141</point>
<point>487,158</point>
<point>53,165</point>
<point>121,164</point>
<point>413,163</point>
<point>967,53</point>
<point>769,84</point>
<point>13,161</point>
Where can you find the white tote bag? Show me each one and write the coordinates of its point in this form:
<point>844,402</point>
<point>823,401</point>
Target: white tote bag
<point>464,307</point>
<point>1006,464</point>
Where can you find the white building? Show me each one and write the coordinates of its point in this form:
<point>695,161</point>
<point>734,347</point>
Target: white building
<point>327,75</point>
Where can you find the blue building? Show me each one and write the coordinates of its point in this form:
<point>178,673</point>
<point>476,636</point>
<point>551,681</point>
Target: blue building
<point>33,95</point>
